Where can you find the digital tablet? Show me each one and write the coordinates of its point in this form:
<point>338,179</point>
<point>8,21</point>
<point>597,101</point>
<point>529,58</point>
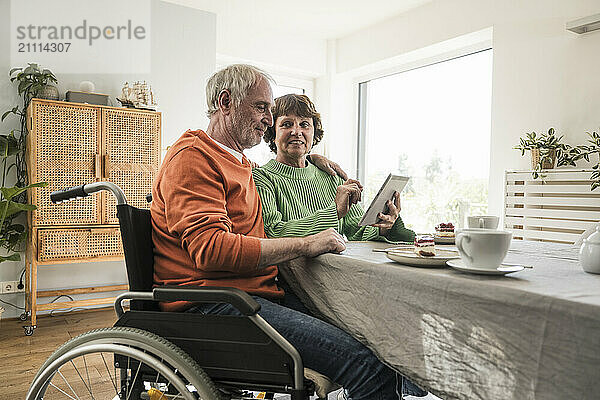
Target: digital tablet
<point>393,183</point>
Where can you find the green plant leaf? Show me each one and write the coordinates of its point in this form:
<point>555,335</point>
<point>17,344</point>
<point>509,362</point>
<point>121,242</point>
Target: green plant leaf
<point>13,239</point>
<point>8,146</point>
<point>11,257</point>
<point>14,208</point>
<point>24,86</point>
<point>16,228</point>
<point>12,111</point>
<point>35,88</point>
<point>12,71</point>
<point>10,192</point>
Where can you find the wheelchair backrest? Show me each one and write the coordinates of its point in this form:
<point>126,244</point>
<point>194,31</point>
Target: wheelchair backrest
<point>136,235</point>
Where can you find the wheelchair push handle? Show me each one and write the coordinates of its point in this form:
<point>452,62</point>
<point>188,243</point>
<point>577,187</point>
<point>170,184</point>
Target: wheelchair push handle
<point>72,193</point>
<point>78,192</point>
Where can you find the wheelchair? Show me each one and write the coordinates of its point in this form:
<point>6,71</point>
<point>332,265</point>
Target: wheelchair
<point>158,355</point>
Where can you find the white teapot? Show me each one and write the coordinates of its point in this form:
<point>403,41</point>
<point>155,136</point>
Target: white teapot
<point>589,254</point>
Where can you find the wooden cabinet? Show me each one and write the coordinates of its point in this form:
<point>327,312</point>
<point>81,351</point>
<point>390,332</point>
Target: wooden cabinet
<point>72,144</point>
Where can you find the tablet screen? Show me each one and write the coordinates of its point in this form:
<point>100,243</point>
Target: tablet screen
<point>393,183</point>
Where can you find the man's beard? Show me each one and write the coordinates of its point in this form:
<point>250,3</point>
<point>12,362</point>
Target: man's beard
<point>246,135</point>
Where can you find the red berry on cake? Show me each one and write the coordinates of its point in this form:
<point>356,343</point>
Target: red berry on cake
<point>445,230</point>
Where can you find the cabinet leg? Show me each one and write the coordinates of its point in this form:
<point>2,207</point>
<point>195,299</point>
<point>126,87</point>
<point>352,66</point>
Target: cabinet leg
<point>27,284</point>
<point>33,292</point>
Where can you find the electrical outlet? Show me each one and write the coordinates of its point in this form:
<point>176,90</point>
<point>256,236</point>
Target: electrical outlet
<point>9,287</point>
<point>22,290</point>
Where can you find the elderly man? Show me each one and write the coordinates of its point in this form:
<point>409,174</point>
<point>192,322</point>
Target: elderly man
<point>208,230</point>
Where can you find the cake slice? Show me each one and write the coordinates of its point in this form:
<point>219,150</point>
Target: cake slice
<point>445,230</point>
<point>424,246</point>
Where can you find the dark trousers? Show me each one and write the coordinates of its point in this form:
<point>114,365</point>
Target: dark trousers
<point>328,349</point>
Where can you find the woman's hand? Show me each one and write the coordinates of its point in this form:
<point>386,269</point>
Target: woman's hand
<point>388,220</point>
<point>327,166</point>
<point>252,163</point>
<point>347,194</point>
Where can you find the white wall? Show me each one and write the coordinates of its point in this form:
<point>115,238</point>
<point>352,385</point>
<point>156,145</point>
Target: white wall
<point>543,75</point>
<point>183,46</point>
<point>252,32</point>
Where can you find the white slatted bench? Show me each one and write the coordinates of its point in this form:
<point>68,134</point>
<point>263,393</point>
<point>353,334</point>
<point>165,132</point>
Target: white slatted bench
<point>555,208</point>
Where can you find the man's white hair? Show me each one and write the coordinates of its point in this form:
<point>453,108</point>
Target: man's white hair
<point>237,79</point>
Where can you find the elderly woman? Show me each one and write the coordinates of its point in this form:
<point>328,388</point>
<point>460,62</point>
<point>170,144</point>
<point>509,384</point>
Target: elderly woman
<point>298,199</point>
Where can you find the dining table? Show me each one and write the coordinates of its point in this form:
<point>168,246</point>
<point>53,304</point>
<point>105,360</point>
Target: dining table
<point>531,334</point>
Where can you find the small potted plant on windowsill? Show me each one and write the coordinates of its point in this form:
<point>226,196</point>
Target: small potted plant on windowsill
<point>545,149</point>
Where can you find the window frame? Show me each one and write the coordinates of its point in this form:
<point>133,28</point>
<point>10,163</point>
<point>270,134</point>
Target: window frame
<point>281,77</point>
<point>362,92</point>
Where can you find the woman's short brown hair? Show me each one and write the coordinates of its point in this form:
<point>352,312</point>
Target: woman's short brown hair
<point>300,106</point>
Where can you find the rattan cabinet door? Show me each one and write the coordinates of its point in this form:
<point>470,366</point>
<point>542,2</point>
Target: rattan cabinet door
<point>58,244</point>
<point>131,141</point>
<point>63,144</point>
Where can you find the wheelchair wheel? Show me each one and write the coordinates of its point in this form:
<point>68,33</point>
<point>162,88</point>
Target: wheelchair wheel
<point>121,363</point>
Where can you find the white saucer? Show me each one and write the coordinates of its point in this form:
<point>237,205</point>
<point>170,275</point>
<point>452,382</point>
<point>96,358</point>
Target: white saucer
<point>459,265</point>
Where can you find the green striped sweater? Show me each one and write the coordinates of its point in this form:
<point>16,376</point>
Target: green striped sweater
<point>301,202</point>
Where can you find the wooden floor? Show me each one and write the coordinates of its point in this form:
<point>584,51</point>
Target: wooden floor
<point>21,356</point>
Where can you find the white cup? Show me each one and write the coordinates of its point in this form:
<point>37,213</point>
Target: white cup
<point>483,248</point>
<point>483,221</point>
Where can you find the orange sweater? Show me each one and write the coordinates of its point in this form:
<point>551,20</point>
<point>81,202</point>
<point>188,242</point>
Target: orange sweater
<point>206,221</point>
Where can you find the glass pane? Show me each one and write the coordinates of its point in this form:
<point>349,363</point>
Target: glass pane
<point>280,90</point>
<point>261,153</point>
<point>432,124</point>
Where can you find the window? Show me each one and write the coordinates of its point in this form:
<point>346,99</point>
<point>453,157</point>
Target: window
<point>261,153</point>
<point>281,90</point>
<point>432,124</point>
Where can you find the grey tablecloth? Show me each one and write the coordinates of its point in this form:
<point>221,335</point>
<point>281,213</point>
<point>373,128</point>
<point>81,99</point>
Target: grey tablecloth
<point>533,334</point>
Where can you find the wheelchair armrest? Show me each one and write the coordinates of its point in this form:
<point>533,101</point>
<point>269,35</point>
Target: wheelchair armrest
<point>209,294</point>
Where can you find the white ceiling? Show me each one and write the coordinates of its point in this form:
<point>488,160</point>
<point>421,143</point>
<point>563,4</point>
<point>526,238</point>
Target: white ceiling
<point>315,19</point>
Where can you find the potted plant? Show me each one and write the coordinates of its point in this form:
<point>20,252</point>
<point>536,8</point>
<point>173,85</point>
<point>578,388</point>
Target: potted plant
<point>545,149</point>
<point>13,199</point>
<point>574,154</point>
<point>33,79</point>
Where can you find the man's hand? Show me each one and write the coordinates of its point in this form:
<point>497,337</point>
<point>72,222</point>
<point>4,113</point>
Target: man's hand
<point>328,241</point>
<point>347,194</point>
<point>327,166</point>
<point>387,220</point>
<point>275,251</point>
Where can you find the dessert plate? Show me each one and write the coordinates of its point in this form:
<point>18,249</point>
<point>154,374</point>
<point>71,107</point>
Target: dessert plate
<point>408,257</point>
<point>459,265</point>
